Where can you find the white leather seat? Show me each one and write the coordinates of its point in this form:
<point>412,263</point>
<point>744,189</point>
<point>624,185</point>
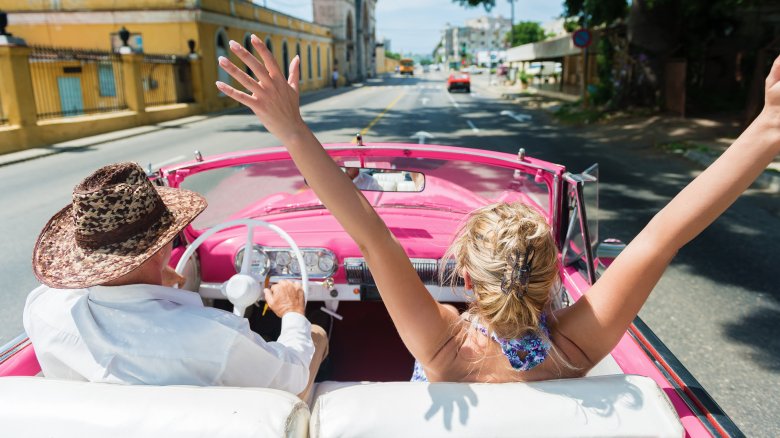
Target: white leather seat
<point>601,406</point>
<point>36,407</point>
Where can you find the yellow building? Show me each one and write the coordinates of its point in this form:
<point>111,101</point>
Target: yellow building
<point>166,26</point>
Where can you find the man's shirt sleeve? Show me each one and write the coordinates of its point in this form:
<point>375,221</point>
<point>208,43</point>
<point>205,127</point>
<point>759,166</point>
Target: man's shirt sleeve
<point>283,364</point>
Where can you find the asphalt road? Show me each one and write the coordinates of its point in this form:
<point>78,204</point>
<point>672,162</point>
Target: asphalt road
<point>717,307</point>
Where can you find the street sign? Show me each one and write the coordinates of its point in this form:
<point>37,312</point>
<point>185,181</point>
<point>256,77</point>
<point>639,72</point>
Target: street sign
<point>582,38</point>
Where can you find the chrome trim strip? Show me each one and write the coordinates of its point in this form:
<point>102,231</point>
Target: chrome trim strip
<point>721,418</point>
<point>14,346</point>
<point>512,159</point>
<point>267,249</point>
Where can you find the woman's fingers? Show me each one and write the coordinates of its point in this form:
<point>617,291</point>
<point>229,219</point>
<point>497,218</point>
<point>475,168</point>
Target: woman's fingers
<point>236,95</point>
<point>267,57</point>
<point>244,79</point>
<point>250,60</point>
<point>774,74</point>
<point>295,73</point>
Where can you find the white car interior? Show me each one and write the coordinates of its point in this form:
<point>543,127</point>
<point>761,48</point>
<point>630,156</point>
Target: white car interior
<point>614,405</point>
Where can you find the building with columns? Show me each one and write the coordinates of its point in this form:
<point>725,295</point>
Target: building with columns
<point>353,27</point>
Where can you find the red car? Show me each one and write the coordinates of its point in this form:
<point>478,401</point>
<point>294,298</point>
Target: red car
<point>459,81</point>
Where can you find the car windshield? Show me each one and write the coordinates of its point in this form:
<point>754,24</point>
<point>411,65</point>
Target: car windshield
<point>273,187</point>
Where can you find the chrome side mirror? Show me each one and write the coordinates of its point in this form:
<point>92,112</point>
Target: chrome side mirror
<point>607,251</point>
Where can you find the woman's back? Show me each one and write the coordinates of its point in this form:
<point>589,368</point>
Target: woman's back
<point>473,356</point>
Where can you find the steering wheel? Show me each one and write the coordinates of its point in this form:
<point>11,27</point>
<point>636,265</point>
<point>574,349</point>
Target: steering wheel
<point>242,289</point>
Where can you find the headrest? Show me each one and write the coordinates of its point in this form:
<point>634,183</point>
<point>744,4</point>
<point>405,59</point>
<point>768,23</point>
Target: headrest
<point>603,406</point>
<point>43,407</point>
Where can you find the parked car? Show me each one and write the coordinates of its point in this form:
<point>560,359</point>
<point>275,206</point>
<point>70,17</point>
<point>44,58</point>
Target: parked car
<point>640,389</point>
<point>459,81</point>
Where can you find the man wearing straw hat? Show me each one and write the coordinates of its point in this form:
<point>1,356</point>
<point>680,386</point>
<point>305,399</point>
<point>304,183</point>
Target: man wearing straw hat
<point>105,314</point>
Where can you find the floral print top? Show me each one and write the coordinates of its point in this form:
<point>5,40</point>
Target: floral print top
<point>523,353</point>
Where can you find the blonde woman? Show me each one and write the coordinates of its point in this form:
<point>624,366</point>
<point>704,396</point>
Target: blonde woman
<point>505,253</point>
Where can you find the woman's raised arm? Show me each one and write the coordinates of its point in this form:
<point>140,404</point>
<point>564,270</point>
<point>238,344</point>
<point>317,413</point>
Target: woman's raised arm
<point>423,324</point>
<point>600,318</point>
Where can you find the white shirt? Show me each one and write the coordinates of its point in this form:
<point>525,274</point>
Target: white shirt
<point>145,334</point>
<point>364,181</point>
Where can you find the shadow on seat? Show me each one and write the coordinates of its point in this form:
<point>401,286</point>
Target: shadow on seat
<point>604,406</point>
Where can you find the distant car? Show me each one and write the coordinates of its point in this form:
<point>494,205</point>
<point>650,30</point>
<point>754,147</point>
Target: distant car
<point>459,81</point>
<point>473,69</point>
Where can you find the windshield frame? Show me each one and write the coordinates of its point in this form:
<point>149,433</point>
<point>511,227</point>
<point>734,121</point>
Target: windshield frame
<point>550,173</point>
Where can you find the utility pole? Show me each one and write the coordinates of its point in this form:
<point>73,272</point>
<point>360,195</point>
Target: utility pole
<point>512,24</point>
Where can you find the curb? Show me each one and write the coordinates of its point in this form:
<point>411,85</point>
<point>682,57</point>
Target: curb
<point>94,140</point>
<point>769,181</point>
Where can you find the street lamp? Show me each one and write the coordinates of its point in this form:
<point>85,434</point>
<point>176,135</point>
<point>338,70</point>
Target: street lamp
<point>3,23</point>
<point>124,35</point>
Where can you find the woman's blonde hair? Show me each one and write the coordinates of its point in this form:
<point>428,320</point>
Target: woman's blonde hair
<point>493,245</point>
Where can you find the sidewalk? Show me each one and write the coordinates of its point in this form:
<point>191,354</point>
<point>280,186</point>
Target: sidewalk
<point>84,142</point>
<point>701,140</point>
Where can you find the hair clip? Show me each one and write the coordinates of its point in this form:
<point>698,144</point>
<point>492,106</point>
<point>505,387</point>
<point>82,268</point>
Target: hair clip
<point>521,273</point>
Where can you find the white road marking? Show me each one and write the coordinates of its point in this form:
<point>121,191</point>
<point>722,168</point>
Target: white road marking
<point>421,136</point>
<point>518,117</point>
<point>167,162</point>
<point>455,104</point>
<point>473,127</point>
<point>424,101</point>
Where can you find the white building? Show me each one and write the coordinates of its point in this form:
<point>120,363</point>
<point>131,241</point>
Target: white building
<point>353,23</point>
<point>480,40</point>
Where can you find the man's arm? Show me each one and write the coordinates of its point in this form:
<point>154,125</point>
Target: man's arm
<point>283,364</point>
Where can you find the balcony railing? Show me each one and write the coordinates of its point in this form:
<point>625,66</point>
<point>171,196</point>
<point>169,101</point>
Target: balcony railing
<point>3,117</point>
<point>72,82</point>
<point>167,79</point>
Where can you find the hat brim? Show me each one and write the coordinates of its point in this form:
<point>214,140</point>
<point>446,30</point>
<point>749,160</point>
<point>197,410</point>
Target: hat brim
<point>60,263</point>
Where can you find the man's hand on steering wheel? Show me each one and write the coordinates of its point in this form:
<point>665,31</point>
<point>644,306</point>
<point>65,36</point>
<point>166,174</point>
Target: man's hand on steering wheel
<point>285,297</point>
<point>172,278</point>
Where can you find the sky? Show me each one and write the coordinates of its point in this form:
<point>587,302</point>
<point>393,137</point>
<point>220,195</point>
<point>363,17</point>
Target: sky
<point>414,26</point>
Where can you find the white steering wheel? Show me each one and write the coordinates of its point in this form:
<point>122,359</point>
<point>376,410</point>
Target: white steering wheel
<point>242,289</point>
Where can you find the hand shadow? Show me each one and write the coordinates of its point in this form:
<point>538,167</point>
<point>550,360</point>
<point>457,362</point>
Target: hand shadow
<point>445,397</point>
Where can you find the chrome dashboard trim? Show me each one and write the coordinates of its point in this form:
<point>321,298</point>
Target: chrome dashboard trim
<point>267,249</point>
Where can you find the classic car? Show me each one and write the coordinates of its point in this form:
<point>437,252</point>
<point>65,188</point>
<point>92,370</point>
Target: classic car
<point>459,81</point>
<point>264,224</point>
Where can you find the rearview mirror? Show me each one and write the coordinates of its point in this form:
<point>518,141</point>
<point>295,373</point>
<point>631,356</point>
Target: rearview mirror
<point>385,180</point>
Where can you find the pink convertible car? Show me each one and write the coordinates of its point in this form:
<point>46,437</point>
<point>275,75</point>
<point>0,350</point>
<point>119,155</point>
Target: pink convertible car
<point>264,224</point>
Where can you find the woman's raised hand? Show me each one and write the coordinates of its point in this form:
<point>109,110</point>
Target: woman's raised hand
<point>272,97</point>
<point>772,93</point>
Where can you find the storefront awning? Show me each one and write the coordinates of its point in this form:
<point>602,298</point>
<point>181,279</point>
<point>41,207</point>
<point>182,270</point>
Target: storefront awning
<point>555,48</point>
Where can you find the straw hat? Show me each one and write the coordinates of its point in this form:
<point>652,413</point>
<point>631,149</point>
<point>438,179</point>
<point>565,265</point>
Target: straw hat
<point>116,222</point>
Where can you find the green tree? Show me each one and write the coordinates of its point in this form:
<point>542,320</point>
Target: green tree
<point>392,55</point>
<point>596,12</point>
<point>487,4</point>
<point>526,32</point>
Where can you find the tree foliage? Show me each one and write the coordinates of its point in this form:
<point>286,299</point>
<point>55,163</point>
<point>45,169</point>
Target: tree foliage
<point>596,12</point>
<point>526,32</point>
<point>487,4</point>
<point>392,55</point>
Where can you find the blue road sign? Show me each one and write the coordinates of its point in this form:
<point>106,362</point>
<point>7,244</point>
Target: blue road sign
<point>582,38</point>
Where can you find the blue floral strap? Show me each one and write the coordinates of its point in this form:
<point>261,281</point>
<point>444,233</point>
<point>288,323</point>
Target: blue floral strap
<point>534,347</point>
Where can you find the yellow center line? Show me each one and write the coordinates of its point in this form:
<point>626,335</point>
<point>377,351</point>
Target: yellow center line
<point>376,119</point>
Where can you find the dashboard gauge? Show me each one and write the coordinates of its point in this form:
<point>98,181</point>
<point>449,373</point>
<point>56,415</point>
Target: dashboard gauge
<point>326,262</point>
<point>283,258</point>
<point>311,259</point>
<point>259,262</point>
<point>295,267</point>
